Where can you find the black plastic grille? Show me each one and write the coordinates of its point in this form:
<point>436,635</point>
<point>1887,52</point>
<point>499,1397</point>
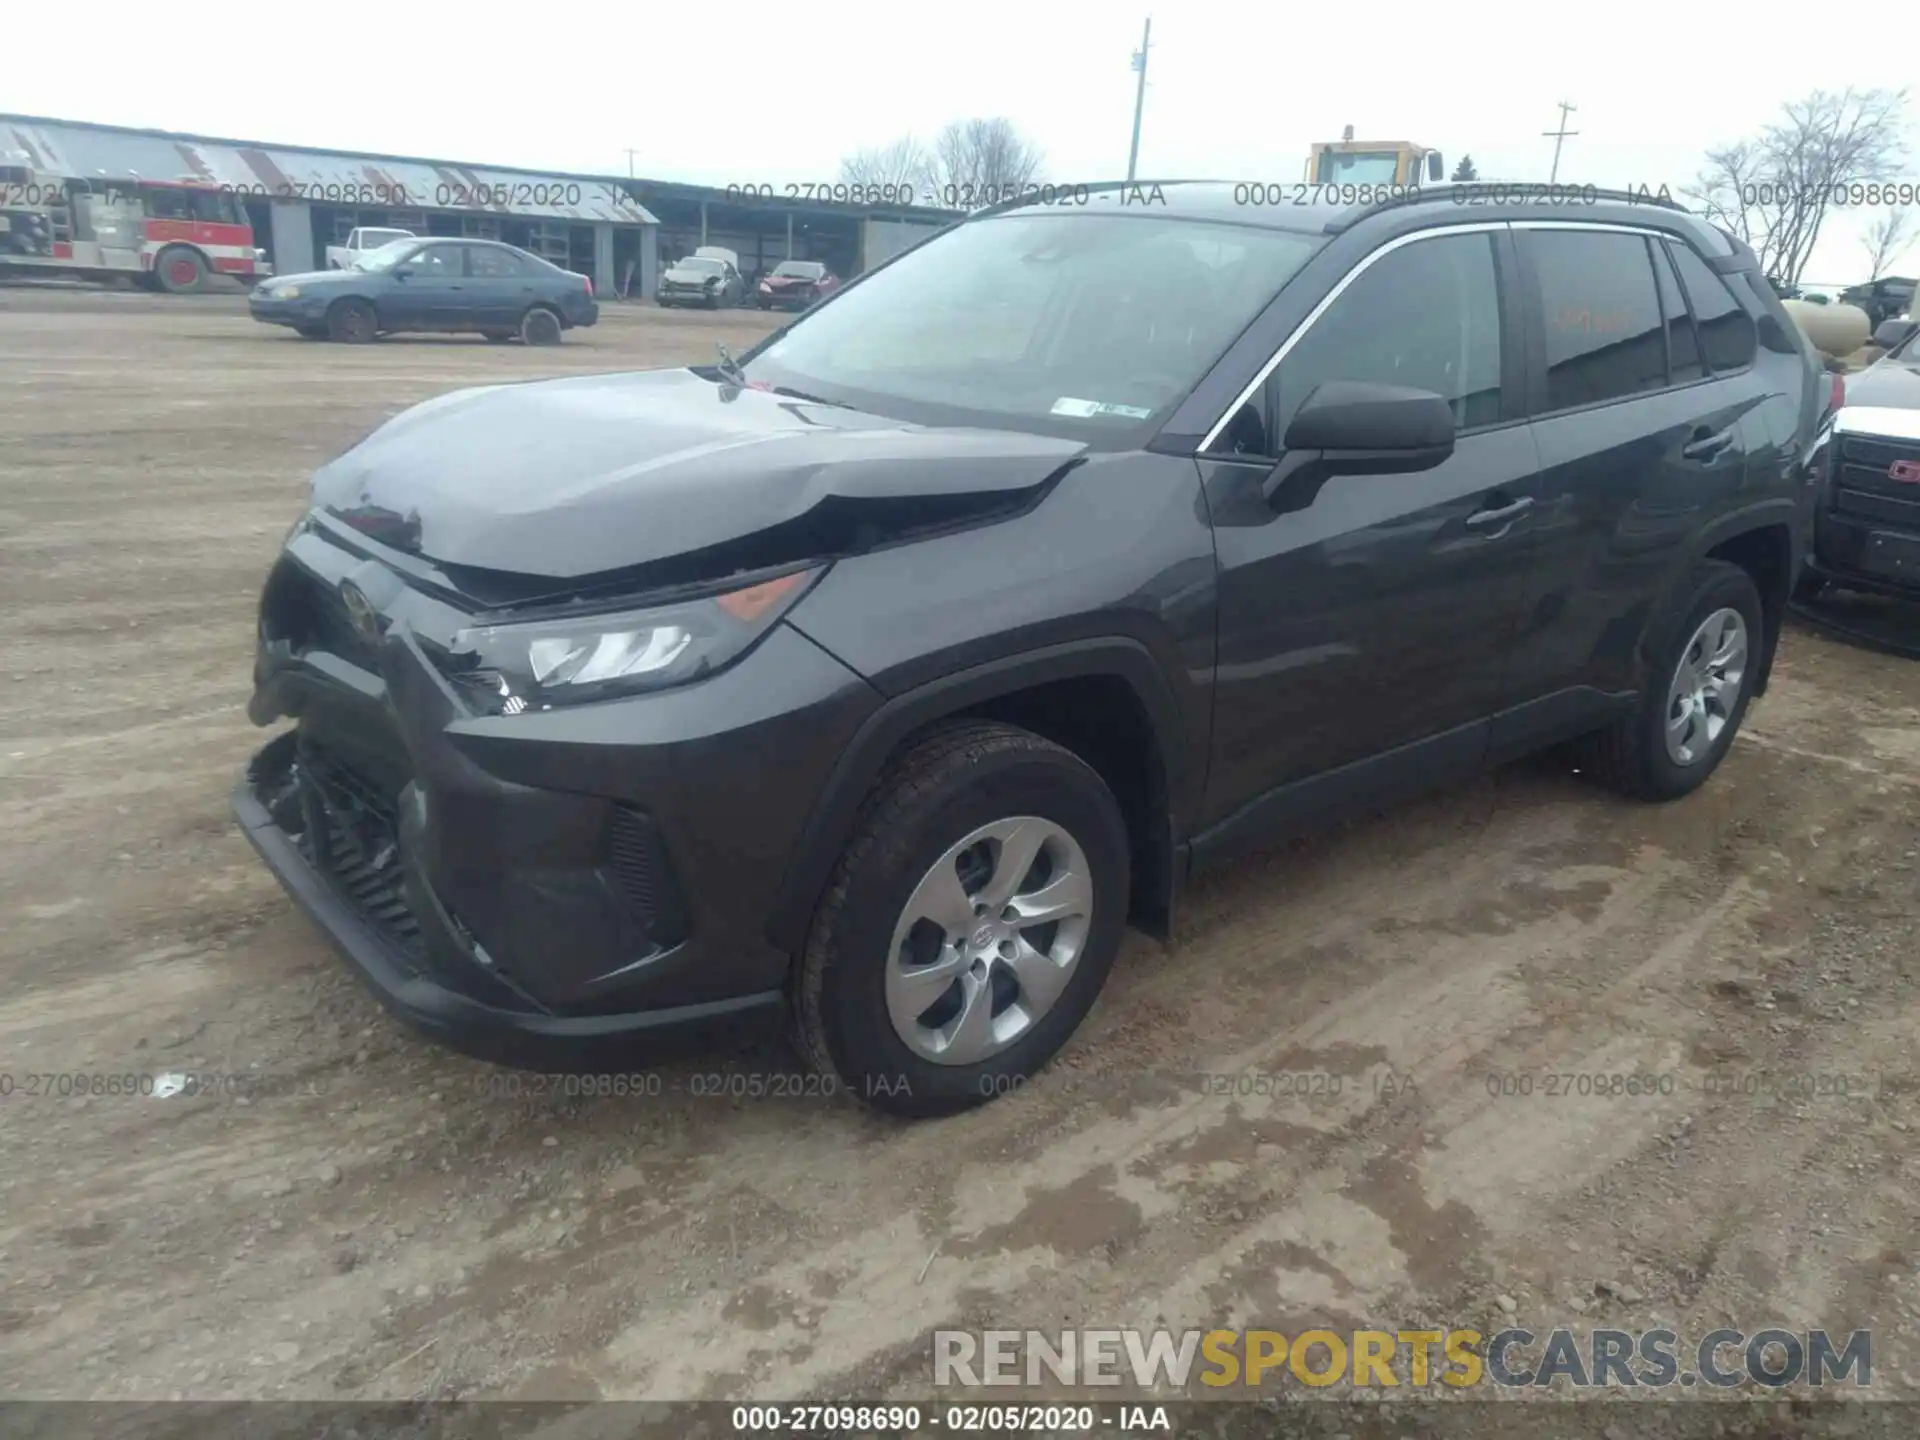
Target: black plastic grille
<point>639,865</point>
<point>1864,488</point>
<point>354,841</point>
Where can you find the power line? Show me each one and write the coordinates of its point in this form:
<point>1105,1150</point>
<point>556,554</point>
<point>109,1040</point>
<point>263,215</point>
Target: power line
<point>1139,95</point>
<point>1559,137</point>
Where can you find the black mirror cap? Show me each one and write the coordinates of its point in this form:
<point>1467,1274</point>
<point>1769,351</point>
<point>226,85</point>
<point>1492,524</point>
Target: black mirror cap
<point>1376,420</point>
<point>1892,334</point>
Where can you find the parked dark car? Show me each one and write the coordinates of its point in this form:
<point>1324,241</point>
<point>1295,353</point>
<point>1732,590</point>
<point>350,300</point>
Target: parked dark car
<point>794,285</point>
<point>879,679</point>
<point>1887,298</point>
<point>700,280</point>
<point>483,286</point>
<point>1864,519</point>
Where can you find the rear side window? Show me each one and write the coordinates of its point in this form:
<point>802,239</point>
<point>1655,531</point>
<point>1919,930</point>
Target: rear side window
<point>1683,345</point>
<point>1726,330</point>
<point>1605,334</point>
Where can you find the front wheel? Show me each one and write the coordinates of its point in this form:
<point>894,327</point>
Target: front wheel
<point>180,270</point>
<point>1698,684</point>
<point>970,922</point>
<point>352,322</point>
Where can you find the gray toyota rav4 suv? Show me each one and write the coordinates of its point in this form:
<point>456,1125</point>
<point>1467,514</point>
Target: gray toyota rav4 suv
<point>874,681</point>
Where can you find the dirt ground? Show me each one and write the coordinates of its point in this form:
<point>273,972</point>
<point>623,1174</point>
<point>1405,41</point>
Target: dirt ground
<point>362,1214</point>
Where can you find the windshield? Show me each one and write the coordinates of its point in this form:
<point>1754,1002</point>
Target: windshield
<point>387,256</point>
<point>1371,167</point>
<point>700,263</point>
<point>799,269</point>
<point>1064,323</point>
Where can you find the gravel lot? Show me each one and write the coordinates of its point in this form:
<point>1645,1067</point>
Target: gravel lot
<point>362,1214</point>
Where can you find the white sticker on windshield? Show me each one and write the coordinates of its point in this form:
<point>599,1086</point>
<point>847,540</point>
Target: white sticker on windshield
<point>1087,409</point>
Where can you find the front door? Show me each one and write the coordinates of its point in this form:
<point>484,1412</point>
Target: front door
<point>1375,612</point>
<point>428,289</point>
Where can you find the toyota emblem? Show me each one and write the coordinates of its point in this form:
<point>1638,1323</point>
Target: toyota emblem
<point>1905,470</point>
<point>360,612</point>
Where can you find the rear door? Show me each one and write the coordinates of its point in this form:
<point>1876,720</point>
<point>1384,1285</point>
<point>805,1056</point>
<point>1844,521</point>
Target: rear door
<point>1375,613</point>
<point>1641,438</point>
<point>500,286</point>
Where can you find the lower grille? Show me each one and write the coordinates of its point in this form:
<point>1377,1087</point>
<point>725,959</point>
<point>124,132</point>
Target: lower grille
<point>352,838</point>
<point>640,870</point>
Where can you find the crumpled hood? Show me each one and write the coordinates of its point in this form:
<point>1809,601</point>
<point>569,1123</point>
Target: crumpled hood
<point>600,473</point>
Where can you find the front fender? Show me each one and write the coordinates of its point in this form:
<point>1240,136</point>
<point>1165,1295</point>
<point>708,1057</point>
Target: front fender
<point>837,809</point>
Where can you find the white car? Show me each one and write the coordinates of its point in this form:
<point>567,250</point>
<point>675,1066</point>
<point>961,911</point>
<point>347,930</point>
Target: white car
<point>362,242</point>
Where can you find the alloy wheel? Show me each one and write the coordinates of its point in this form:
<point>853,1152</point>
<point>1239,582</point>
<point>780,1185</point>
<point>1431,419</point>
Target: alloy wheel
<point>988,940</point>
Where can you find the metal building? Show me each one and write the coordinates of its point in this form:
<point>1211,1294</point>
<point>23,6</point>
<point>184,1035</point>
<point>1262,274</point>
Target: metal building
<point>617,229</point>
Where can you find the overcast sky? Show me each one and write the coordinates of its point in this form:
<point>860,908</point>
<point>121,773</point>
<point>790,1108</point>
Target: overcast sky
<point>734,91</point>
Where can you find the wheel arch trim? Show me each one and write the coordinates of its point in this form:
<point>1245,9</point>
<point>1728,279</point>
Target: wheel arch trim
<point>835,812</point>
<point>1778,513</point>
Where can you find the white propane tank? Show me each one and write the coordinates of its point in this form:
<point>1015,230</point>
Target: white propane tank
<point>1836,330</point>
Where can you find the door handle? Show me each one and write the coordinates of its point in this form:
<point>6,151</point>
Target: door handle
<point>1706,447</point>
<point>1504,516</point>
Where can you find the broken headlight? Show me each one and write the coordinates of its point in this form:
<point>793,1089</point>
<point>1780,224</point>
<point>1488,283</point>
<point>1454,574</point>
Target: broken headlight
<point>537,664</point>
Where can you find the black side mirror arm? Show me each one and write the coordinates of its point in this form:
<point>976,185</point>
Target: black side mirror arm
<point>1293,484</point>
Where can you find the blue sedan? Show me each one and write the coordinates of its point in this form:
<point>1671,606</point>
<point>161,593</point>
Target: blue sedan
<point>443,286</point>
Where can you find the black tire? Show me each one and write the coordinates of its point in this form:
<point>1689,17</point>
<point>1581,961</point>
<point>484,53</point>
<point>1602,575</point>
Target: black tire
<point>540,326</point>
<point>352,322</point>
<point>311,332</point>
<point>713,301</point>
<point>1631,754</point>
<point>957,777</point>
<point>760,304</point>
<point>180,270</point>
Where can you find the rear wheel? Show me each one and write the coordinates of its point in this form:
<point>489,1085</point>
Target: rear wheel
<point>1697,691</point>
<point>970,923</point>
<point>540,326</point>
<point>352,322</point>
<point>180,270</point>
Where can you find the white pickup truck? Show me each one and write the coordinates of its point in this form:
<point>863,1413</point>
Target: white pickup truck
<point>361,242</point>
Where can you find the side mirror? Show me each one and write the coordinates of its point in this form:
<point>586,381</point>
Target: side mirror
<point>1436,166</point>
<point>1892,334</point>
<point>401,272</point>
<point>1365,429</point>
<point>1351,427</point>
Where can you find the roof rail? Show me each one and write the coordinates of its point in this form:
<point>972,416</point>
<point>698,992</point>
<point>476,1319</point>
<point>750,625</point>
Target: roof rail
<point>1506,192</point>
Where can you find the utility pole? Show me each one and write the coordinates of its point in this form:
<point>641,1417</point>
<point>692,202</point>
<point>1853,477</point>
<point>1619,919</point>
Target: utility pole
<point>1559,137</point>
<point>630,155</point>
<point>1139,95</point>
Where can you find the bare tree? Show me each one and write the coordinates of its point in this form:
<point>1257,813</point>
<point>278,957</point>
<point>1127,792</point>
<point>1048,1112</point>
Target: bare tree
<point>976,161</point>
<point>1775,189</point>
<point>1888,238</point>
<point>899,168</point>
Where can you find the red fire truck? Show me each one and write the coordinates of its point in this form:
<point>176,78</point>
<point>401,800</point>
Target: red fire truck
<point>164,235</point>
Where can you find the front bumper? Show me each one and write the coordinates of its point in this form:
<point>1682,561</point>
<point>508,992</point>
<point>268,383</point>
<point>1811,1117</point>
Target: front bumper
<point>1866,524</point>
<point>507,1036</point>
<point>302,311</point>
<point>576,888</point>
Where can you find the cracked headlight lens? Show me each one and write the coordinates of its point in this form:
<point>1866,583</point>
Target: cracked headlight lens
<point>536,664</point>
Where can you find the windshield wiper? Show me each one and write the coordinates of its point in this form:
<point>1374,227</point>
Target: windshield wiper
<point>729,367</point>
<point>793,394</point>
